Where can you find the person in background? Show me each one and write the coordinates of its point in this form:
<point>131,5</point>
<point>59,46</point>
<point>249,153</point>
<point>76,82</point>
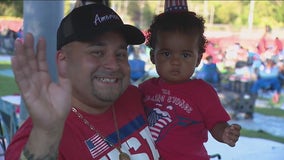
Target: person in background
<point>137,67</point>
<point>181,110</point>
<point>209,72</point>
<point>268,78</point>
<point>278,46</point>
<point>91,112</point>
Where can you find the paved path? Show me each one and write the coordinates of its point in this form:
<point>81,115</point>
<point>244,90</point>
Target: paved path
<point>247,149</point>
<point>252,148</point>
<point>7,72</point>
<point>5,58</point>
<point>269,124</point>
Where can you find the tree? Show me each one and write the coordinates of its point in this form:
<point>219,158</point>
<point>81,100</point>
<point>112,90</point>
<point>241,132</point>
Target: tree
<point>147,16</point>
<point>11,8</point>
<point>236,12</point>
<point>133,10</point>
<point>225,12</point>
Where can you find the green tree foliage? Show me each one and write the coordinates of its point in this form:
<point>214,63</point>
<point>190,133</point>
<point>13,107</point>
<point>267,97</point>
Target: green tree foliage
<point>269,12</point>
<point>225,12</point>
<point>133,10</point>
<point>147,16</point>
<point>236,12</point>
<point>11,8</point>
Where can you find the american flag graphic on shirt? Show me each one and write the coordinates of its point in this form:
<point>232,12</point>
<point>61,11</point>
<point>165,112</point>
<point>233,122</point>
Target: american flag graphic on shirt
<point>157,121</point>
<point>97,145</point>
<point>159,125</point>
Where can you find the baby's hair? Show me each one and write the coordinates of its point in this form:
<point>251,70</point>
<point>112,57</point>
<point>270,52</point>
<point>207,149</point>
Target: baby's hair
<point>185,21</point>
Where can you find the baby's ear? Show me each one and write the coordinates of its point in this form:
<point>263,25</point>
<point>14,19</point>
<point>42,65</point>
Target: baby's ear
<point>198,60</point>
<point>152,56</point>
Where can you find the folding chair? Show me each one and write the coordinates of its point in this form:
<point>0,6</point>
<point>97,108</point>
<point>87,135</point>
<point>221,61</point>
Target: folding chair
<point>218,156</point>
<point>8,121</point>
<point>2,138</point>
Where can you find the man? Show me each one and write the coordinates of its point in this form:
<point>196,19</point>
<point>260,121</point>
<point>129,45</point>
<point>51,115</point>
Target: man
<point>92,112</point>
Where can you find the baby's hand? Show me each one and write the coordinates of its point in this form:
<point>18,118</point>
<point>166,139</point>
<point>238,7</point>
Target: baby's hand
<point>231,134</point>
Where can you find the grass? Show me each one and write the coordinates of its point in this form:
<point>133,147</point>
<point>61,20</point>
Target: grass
<point>5,65</point>
<point>261,134</point>
<point>271,111</point>
<point>8,86</point>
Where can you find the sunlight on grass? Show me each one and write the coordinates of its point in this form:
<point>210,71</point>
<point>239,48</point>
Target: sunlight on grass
<point>5,65</point>
<point>8,86</point>
<point>270,111</point>
<point>261,134</point>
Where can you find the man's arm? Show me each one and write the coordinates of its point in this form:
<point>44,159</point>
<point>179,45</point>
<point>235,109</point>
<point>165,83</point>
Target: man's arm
<point>48,102</point>
<point>41,146</point>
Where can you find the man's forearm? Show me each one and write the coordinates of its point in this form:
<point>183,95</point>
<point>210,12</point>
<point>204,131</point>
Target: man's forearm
<point>28,155</point>
<point>42,146</point>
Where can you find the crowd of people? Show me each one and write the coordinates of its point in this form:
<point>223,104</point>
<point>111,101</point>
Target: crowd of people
<point>262,71</point>
<point>7,39</point>
<point>260,65</point>
<point>240,68</point>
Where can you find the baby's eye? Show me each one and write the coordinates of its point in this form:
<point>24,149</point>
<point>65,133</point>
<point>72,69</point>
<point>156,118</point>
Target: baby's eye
<point>186,55</point>
<point>165,53</point>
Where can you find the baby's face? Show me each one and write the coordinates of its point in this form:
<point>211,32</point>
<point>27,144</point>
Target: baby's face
<point>176,55</point>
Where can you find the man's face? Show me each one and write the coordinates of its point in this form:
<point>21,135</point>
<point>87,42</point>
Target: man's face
<point>99,70</point>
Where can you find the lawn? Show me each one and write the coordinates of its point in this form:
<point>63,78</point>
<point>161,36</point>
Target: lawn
<point>8,85</point>
<point>261,134</point>
<point>270,111</point>
<point>5,65</point>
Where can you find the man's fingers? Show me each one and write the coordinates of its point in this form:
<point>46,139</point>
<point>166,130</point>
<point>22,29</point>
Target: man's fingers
<point>19,66</point>
<point>41,55</point>
<point>30,53</point>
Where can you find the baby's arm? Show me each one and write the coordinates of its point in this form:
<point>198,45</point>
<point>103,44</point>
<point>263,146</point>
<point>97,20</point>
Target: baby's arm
<point>223,132</point>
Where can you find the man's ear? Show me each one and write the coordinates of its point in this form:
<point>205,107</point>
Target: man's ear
<point>61,63</point>
<point>152,56</point>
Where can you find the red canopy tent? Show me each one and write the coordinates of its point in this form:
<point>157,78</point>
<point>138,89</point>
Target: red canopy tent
<point>14,24</point>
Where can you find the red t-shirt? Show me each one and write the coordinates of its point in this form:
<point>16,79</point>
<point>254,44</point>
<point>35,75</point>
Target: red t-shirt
<point>80,142</point>
<point>180,116</point>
